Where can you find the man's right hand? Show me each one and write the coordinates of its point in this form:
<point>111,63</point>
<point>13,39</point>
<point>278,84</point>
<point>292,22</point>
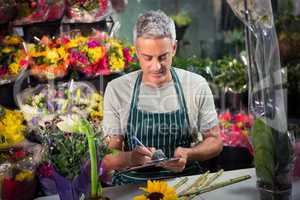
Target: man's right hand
<point>140,155</point>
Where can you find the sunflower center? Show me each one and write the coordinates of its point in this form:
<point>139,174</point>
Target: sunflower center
<point>155,196</point>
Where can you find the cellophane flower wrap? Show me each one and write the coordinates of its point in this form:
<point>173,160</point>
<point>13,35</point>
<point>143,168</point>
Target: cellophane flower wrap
<point>87,11</point>
<point>29,12</point>
<point>18,157</point>
<point>54,113</point>
<point>13,58</point>
<point>48,58</point>
<point>98,54</point>
<point>273,144</point>
<point>7,10</point>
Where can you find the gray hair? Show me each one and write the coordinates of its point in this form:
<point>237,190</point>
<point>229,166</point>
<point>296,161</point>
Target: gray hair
<point>154,24</point>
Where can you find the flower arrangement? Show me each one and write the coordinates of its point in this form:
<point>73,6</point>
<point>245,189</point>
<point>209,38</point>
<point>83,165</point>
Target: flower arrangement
<point>235,129</point>
<point>67,121</point>
<point>86,10</point>
<point>11,127</point>
<point>33,11</point>
<point>12,57</point>
<point>98,54</point>
<point>48,59</point>
<point>157,190</point>
<point>44,103</point>
<point>7,10</point>
<point>17,172</point>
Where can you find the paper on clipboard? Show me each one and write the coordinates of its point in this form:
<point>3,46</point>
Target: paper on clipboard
<point>149,164</point>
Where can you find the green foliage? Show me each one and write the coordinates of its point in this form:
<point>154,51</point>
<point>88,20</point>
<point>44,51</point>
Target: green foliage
<point>273,155</point>
<point>264,158</point>
<point>231,73</point>
<point>181,19</point>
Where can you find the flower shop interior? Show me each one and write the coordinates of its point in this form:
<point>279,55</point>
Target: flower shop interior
<point>58,56</point>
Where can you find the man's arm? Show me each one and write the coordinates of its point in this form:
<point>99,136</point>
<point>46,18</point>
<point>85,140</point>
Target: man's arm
<point>122,160</point>
<point>211,146</point>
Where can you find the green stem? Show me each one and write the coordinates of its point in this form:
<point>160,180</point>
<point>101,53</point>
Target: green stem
<point>216,186</point>
<point>92,150</point>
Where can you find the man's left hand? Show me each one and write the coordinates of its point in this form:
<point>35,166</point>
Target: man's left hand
<point>177,165</point>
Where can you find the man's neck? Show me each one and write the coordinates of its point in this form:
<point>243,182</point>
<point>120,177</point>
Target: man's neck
<point>157,85</point>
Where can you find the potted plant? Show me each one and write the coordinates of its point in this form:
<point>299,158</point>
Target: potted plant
<point>182,21</point>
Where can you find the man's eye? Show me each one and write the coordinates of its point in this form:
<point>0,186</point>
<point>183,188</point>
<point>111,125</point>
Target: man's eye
<point>163,58</point>
<point>148,58</point>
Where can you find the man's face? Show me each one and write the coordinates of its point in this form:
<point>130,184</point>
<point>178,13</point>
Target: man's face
<point>155,56</point>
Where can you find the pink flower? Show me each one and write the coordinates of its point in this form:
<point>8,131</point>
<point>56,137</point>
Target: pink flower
<point>102,67</point>
<point>127,56</point>
<point>46,170</point>
<point>3,71</point>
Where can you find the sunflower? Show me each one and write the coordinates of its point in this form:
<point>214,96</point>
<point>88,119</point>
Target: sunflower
<point>157,190</point>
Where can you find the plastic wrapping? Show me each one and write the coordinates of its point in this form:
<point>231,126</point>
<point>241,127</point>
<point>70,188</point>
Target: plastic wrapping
<point>43,103</point>
<point>7,10</point>
<point>48,59</point>
<point>271,140</point>
<point>17,171</point>
<point>86,11</point>
<point>35,11</point>
<point>98,54</point>
<point>12,58</point>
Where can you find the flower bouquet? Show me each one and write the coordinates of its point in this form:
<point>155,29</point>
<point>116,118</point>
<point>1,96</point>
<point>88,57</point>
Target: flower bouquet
<point>67,121</point>
<point>12,57</point>
<point>17,175</point>
<point>18,157</point>
<point>98,54</point>
<point>48,59</point>
<point>86,10</point>
<point>33,11</point>
<point>7,10</point>
<point>235,130</point>
<point>273,144</point>
<point>11,128</point>
<point>44,103</point>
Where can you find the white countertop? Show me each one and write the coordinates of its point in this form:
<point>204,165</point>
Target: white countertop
<point>245,190</point>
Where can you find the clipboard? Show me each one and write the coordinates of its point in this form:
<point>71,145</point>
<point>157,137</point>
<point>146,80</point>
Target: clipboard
<point>152,163</point>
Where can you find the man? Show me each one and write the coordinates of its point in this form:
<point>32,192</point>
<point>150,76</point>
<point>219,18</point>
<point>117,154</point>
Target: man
<point>164,107</point>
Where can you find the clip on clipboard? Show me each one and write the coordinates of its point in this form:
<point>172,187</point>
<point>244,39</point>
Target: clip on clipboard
<point>152,163</point>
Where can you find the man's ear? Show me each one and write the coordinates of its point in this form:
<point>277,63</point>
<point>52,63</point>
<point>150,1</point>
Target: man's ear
<point>174,47</point>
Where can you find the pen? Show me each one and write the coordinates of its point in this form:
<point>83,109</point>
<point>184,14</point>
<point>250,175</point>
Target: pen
<point>140,143</point>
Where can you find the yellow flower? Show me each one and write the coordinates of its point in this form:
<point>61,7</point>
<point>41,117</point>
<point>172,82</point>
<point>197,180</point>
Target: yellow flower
<point>24,175</point>
<point>12,40</point>
<point>7,50</point>
<point>76,42</point>
<point>52,55</point>
<point>11,128</point>
<point>95,53</point>
<point>157,190</point>
<point>116,63</point>
<point>14,68</point>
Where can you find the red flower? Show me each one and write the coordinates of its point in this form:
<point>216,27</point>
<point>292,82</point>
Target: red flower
<point>8,188</point>
<point>226,116</point>
<point>20,154</point>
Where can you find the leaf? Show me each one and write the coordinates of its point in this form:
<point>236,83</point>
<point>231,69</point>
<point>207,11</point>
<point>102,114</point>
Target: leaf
<point>264,151</point>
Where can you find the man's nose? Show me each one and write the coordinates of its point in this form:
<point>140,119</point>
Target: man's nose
<point>157,65</point>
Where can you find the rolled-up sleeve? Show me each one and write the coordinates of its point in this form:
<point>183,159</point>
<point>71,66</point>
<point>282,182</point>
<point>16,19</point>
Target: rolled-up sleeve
<point>111,111</point>
<point>207,115</point>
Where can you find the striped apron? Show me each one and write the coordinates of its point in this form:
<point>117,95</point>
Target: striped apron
<point>165,131</point>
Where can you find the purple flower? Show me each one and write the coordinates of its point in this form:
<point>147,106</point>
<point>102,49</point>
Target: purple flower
<point>93,43</point>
